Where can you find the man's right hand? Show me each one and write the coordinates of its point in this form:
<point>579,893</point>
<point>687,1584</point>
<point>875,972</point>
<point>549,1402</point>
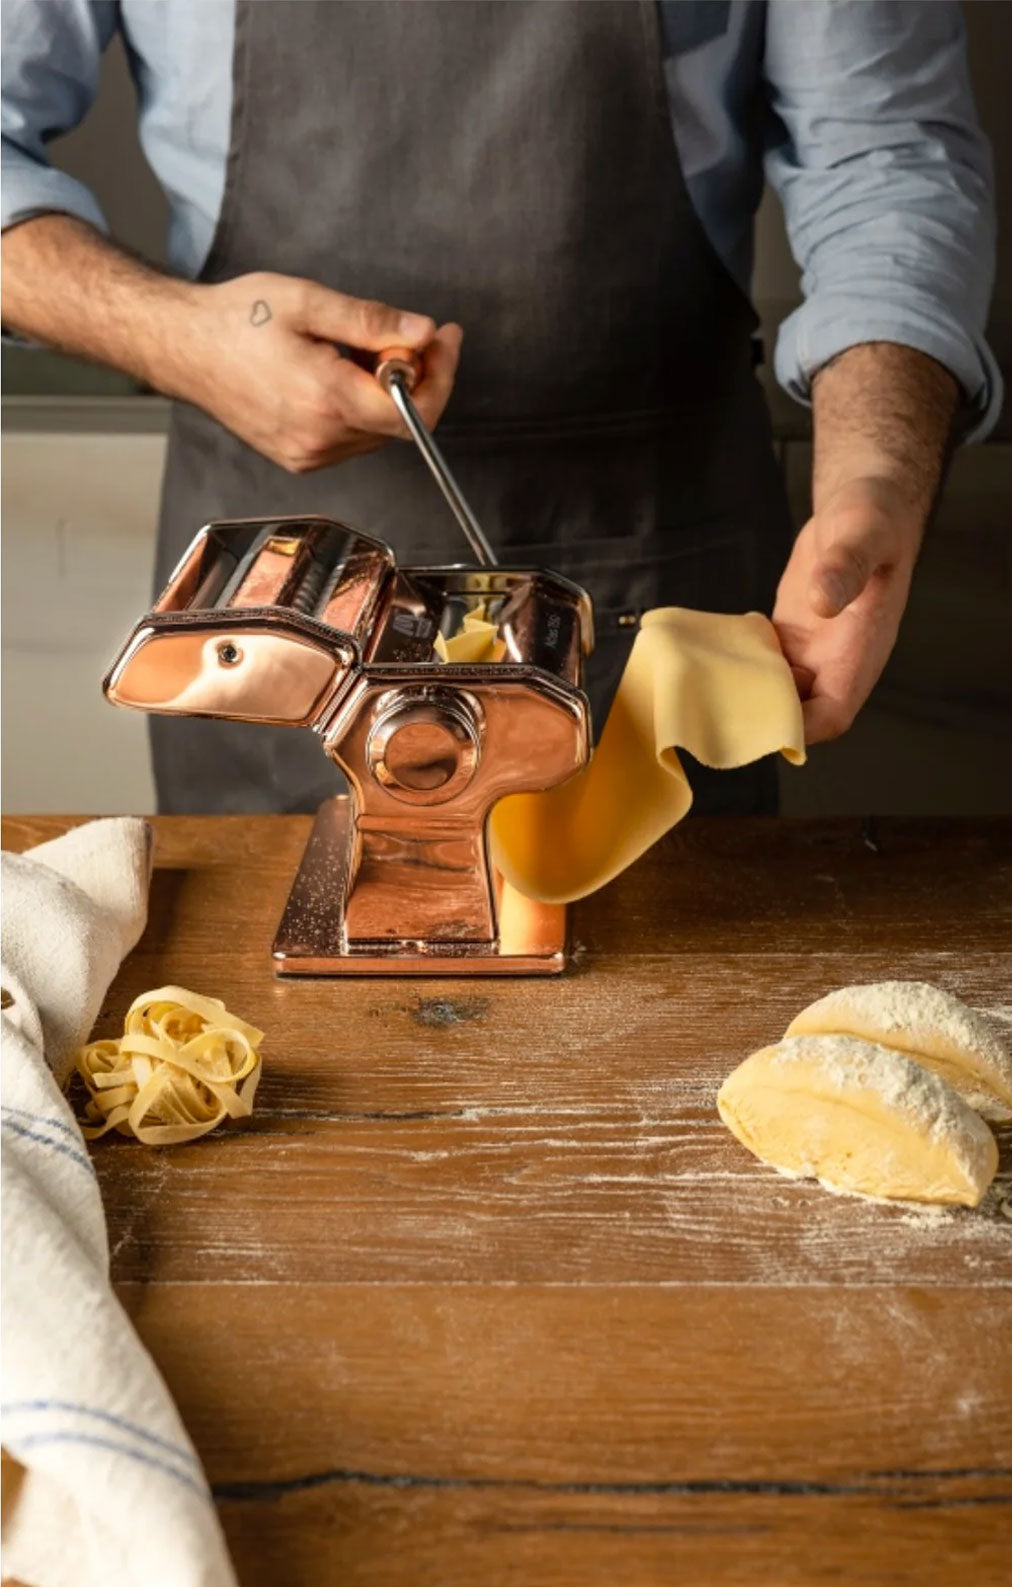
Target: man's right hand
<point>259,354</point>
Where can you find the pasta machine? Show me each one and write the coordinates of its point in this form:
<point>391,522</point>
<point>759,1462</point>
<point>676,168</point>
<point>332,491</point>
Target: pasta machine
<point>305,622</point>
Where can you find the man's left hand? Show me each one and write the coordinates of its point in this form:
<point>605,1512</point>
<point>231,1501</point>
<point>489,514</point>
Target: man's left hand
<point>842,596</point>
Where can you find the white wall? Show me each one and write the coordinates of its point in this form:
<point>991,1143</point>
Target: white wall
<point>79,514</point>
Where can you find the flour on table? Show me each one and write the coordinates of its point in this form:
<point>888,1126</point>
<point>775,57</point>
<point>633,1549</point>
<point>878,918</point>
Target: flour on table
<point>967,1047</point>
<point>859,1117</point>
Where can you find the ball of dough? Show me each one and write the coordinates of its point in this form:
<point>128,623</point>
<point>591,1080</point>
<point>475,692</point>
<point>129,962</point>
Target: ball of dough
<point>963,1046</point>
<point>859,1117</point>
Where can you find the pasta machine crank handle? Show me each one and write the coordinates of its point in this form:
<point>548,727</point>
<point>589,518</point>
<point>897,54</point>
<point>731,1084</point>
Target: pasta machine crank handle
<point>398,370</point>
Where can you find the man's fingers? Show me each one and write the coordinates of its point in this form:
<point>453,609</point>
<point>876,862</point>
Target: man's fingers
<point>851,548</point>
<point>804,679</point>
<point>825,718</point>
<point>352,400</point>
<point>441,359</point>
<point>370,408</point>
<point>361,322</point>
<point>795,642</point>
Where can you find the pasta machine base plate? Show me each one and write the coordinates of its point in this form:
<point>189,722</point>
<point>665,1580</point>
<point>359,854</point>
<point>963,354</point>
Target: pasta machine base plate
<point>311,939</point>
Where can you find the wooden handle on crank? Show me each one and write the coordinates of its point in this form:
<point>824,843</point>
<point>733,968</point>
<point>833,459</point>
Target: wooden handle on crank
<point>398,361</point>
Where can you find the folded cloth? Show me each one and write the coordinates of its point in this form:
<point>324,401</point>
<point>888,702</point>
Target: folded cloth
<point>715,685</point>
<point>102,1484</point>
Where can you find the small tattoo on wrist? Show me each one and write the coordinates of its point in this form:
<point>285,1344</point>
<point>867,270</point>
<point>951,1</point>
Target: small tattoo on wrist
<point>260,313</point>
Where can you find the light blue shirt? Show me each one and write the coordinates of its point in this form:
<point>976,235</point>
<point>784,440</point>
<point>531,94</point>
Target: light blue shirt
<point>859,112</point>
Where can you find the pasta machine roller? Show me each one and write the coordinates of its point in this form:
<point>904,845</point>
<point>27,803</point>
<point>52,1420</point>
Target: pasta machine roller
<point>305,622</point>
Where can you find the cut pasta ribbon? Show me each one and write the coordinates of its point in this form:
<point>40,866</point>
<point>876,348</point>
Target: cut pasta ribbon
<point>182,1066</point>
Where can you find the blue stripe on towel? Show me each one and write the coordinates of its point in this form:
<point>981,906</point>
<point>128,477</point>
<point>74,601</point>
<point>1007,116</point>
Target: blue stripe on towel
<point>18,1446</point>
<point>42,1118</point>
<point>21,1407</point>
<point>54,1146</point>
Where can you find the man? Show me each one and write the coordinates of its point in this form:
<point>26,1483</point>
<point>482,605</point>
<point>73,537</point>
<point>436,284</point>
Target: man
<point>572,183</point>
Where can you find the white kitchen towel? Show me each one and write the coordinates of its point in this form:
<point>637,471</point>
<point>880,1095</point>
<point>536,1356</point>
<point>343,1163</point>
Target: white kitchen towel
<point>102,1485</point>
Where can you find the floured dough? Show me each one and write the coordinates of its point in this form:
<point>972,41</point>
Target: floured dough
<point>715,685</point>
<point>962,1045</point>
<point>859,1117</point>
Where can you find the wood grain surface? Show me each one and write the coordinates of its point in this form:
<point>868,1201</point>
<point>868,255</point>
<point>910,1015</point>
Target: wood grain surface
<point>485,1291</point>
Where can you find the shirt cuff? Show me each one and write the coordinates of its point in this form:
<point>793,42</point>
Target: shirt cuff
<point>29,188</point>
<point>827,324</point>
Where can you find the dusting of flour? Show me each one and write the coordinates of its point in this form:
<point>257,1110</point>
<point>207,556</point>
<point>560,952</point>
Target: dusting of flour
<point>846,1066</point>
<point>918,1018</point>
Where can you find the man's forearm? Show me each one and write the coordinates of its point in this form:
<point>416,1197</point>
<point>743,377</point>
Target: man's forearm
<point>883,413</point>
<point>883,420</point>
<point>65,285</point>
<point>259,352</point>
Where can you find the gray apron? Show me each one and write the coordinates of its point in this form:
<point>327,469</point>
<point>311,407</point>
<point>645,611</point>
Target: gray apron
<point>509,165</point>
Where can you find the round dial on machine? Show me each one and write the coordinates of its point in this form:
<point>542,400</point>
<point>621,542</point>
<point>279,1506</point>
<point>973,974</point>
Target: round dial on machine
<point>424,748</point>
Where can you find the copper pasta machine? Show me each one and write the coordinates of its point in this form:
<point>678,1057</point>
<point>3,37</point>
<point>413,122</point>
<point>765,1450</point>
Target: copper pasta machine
<point>306,622</point>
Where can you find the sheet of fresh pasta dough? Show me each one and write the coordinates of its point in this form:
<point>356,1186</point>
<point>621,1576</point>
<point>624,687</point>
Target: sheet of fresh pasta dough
<point>717,686</point>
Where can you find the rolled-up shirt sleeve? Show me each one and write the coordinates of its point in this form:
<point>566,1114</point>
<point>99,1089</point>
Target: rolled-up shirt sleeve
<point>885,178</point>
<point>51,54</point>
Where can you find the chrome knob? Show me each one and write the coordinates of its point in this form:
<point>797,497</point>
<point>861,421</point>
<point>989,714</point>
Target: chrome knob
<point>425,749</point>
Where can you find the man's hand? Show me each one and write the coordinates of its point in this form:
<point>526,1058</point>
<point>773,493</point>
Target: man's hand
<point>883,414</point>
<point>264,361</point>
<point>841,598</point>
<point>259,352</point>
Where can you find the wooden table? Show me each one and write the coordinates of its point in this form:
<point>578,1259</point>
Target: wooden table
<point>486,1294</point>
